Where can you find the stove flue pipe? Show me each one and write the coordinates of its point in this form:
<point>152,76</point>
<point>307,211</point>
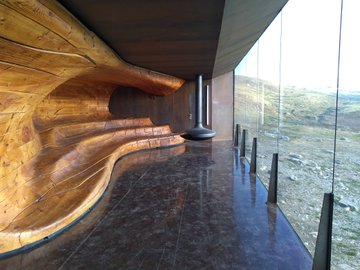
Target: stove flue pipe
<point>198,99</point>
<point>199,132</point>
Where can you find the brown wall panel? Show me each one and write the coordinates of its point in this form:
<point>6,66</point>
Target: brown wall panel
<point>177,110</point>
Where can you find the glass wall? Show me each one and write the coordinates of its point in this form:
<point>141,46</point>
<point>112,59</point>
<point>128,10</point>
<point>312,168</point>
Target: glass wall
<point>346,223</point>
<point>256,96</point>
<point>246,102</point>
<point>285,95</point>
<point>269,93</point>
<point>307,119</point>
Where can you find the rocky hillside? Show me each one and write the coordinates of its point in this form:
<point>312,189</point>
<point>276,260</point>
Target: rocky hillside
<point>299,124</point>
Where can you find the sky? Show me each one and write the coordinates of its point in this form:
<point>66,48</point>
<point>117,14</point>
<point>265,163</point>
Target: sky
<point>309,42</point>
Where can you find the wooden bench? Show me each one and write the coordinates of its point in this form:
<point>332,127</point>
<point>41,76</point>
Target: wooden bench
<point>58,141</point>
<point>73,171</point>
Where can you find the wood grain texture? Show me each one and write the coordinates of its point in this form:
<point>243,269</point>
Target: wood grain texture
<point>58,141</point>
<point>177,110</point>
<point>122,166</point>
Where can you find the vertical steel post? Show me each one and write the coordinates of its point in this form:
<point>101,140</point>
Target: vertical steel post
<point>273,184</point>
<point>322,256</point>
<point>253,156</point>
<point>198,92</point>
<point>236,136</point>
<point>207,105</point>
<point>243,143</point>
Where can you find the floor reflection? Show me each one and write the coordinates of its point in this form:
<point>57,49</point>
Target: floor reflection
<point>190,207</point>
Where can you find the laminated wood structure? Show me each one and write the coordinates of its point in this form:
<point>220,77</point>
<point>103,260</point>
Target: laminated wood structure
<point>58,141</point>
<point>123,166</point>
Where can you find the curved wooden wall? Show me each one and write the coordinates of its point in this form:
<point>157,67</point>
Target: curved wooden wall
<point>58,141</point>
<point>39,259</point>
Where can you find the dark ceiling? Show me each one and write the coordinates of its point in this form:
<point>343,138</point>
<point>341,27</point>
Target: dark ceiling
<point>178,37</point>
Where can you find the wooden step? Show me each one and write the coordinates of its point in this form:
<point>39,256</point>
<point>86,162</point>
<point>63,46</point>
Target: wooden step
<point>56,134</point>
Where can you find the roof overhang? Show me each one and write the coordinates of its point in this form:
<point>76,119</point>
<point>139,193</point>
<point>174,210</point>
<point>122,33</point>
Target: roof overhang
<point>179,38</point>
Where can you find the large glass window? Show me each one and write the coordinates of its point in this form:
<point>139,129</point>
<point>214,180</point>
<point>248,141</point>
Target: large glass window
<point>308,98</point>
<point>285,95</point>
<point>346,222</point>
<point>268,93</point>
<point>246,95</point>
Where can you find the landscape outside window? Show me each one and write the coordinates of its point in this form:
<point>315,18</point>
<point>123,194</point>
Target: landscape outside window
<point>247,112</point>
<point>285,95</point>
<point>346,227</point>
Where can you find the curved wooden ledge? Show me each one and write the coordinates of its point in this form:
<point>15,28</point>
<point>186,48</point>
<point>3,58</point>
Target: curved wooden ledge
<point>123,165</point>
<point>58,141</point>
<point>72,173</point>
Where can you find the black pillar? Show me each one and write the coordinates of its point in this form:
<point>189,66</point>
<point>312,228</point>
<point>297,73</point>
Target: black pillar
<point>236,136</point>
<point>253,156</point>
<point>322,256</point>
<point>272,193</point>
<point>243,143</point>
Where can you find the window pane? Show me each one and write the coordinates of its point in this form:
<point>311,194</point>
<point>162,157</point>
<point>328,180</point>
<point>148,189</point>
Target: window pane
<point>346,227</point>
<point>268,93</point>
<point>246,97</point>
<point>307,111</point>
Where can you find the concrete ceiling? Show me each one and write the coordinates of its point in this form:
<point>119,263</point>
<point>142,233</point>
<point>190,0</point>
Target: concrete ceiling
<point>178,37</point>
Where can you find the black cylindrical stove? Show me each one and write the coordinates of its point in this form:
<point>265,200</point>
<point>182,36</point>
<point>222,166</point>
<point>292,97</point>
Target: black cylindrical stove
<point>199,132</point>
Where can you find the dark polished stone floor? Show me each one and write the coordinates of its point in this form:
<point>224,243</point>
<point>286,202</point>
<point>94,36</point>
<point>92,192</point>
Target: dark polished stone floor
<point>189,207</point>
